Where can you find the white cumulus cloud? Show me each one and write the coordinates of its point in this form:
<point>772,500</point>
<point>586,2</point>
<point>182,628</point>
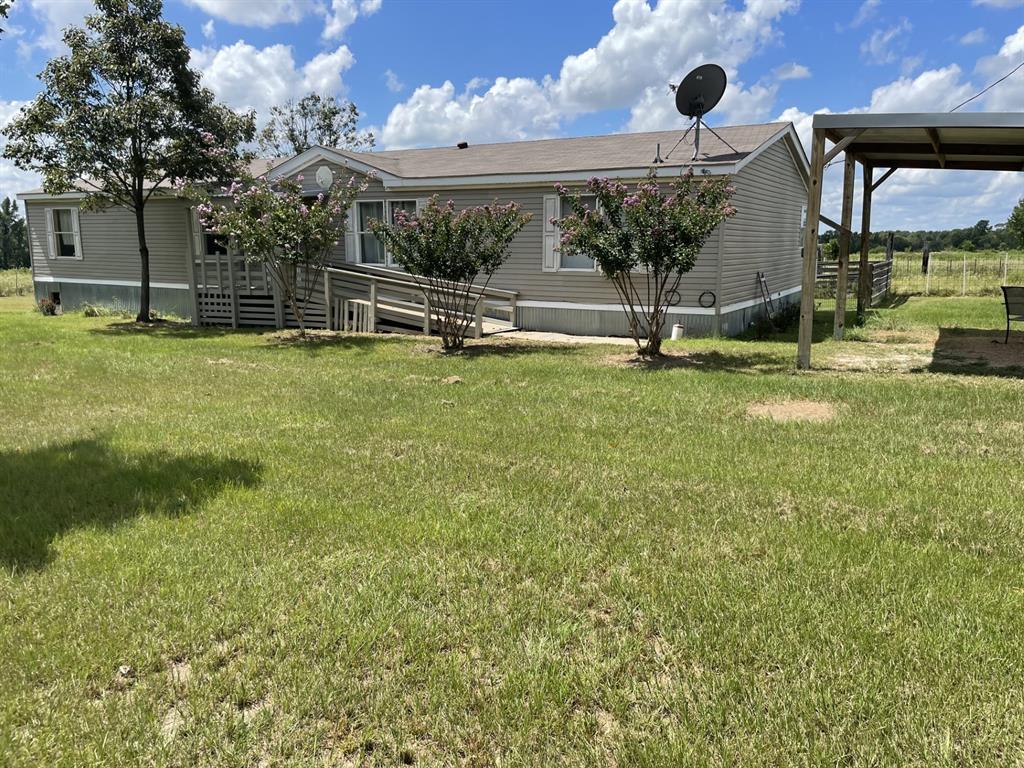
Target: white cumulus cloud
<point>791,71</point>
<point>54,16</point>
<point>256,13</point>
<point>882,46</point>
<point>246,77</point>
<point>974,37</point>
<point>12,179</point>
<point>630,67</point>
<point>392,82</point>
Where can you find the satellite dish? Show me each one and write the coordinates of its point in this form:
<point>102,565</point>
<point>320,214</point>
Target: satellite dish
<point>700,91</point>
<point>698,94</point>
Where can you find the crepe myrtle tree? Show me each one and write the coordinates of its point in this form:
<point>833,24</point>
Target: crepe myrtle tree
<point>447,250</point>
<point>644,240</point>
<point>275,224</point>
<point>122,116</point>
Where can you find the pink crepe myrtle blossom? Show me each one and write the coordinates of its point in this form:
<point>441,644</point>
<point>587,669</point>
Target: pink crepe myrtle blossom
<point>646,232</point>
<point>275,224</point>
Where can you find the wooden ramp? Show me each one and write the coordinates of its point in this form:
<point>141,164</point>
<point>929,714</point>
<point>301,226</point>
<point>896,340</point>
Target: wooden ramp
<point>231,292</point>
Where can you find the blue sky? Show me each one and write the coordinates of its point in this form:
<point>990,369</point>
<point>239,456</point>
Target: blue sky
<point>436,72</point>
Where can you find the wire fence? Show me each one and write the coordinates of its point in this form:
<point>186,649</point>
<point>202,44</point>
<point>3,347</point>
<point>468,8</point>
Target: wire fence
<point>15,282</point>
<point>957,273</point>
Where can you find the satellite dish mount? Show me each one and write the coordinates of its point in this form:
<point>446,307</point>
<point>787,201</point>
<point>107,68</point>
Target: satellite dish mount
<point>698,94</point>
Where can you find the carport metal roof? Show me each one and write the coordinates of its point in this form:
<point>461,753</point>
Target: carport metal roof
<point>973,141</point>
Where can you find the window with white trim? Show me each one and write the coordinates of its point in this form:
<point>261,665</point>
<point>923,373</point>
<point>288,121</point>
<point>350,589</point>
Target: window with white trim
<point>64,231</point>
<point>576,262</point>
<point>371,249</point>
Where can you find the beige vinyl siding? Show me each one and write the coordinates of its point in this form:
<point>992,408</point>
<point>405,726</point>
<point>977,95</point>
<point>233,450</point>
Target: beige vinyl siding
<point>110,245</point>
<point>523,272</point>
<point>764,235</point>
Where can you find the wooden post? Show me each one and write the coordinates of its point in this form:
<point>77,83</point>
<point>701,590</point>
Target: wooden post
<point>963,289</point>
<point>328,320</point>
<point>803,358</point>
<point>372,320</point>
<point>426,314</point>
<point>842,273</point>
<point>863,287</point>
<point>478,333</point>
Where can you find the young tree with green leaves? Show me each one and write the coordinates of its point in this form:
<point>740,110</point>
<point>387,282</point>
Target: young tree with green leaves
<point>446,251</point>
<point>275,224</point>
<point>123,117</point>
<point>644,240</point>
<point>13,236</point>
<point>314,120</point>
<point>1015,224</point>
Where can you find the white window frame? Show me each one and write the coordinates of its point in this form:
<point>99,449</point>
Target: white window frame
<point>52,233</point>
<point>389,260</point>
<point>558,253</point>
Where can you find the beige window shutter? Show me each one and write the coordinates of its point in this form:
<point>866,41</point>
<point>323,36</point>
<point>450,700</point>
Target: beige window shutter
<point>350,235</point>
<point>51,247</point>
<point>78,233</point>
<point>551,234</point>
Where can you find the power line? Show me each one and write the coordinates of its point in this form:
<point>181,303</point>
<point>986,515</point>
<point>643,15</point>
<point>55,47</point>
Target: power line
<point>988,88</point>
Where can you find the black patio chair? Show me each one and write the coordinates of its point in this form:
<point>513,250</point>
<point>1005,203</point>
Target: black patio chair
<point>1013,295</point>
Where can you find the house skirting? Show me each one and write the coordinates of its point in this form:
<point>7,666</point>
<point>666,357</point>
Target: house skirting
<point>165,300</point>
<point>610,320</point>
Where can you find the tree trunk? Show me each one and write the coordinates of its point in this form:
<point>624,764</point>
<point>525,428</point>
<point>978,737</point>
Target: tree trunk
<point>140,228</point>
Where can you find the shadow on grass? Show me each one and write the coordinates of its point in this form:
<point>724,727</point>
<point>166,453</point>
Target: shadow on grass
<point>892,301</point>
<point>505,348</point>
<point>712,360</point>
<point>316,341</point>
<point>170,329</point>
<point>48,491</point>
<point>978,352</point>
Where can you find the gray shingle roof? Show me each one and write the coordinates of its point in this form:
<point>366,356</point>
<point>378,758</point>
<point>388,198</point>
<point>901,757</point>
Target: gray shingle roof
<point>588,153</point>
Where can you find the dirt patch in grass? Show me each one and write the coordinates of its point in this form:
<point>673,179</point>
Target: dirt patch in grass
<point>792,410</point>
<point>899,358</point>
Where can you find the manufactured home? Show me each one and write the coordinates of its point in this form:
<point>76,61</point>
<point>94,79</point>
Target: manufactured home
<point>750,265</point>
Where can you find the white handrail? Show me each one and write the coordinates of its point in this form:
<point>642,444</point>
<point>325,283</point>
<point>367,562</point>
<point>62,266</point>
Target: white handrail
<point>383,273</point>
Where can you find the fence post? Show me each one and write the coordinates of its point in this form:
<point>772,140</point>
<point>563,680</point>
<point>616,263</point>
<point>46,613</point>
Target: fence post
<point>426,314</point>
<point>1006,260</point>
<point>479,330</point>
<point>963,289</point>
<point>928,278</point>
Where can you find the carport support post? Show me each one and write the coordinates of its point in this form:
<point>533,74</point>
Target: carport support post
<point>864,278</point>
<point>810,275</point>
<point>842,274</point>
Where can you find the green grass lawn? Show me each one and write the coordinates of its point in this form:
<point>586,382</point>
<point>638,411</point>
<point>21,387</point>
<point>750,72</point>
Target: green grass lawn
<point>324,554</point>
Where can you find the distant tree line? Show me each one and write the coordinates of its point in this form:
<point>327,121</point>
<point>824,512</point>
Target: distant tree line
<point>13,236</point>
<point>983,236</point>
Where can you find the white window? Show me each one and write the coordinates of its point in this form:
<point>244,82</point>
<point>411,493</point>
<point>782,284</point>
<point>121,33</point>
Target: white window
<point>371,250</point>
<point>578,262</point>
<point>64,236</point>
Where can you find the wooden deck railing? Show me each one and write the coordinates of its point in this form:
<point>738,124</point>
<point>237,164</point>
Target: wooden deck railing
<point>398,297</point>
